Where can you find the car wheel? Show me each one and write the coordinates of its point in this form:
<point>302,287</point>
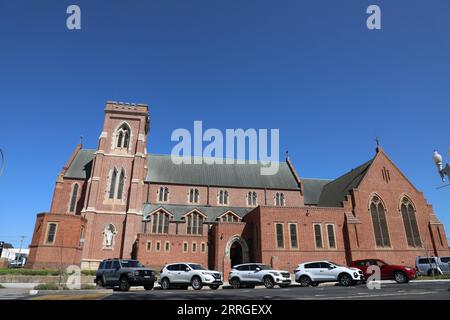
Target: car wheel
<point>284,285</point>
<point>165,284</point>
<point>314,284</point>
<point>99,282</point>
<point>214,287</point>
<point>345,280</point>
<point>149,286</point>
<point>268,282</point>
<point>196,283</point>
<point>400,277</point>
<point>235,283</point>
<point>123,284</point>
<point>305,281</point>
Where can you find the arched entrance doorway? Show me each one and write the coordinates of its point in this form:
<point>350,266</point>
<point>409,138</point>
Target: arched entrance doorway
<point>235,254</point>
<point>237,250</point>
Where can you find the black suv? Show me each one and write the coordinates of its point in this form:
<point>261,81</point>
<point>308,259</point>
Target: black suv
<point>124,273</point>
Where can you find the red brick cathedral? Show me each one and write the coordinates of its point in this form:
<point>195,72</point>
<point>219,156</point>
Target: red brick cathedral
<point>120,201</point>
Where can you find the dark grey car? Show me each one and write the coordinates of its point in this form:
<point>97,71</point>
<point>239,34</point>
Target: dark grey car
<point>124,273</point>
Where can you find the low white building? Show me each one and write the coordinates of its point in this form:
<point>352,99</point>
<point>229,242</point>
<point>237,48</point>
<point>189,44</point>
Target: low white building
<point>15,254</point>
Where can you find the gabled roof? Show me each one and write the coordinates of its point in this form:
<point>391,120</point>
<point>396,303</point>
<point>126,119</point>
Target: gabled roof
<point>312,189</point>
<point>81,166</point>
<point>178,211</point>
<point>334,192</point>
<point>161,169</point>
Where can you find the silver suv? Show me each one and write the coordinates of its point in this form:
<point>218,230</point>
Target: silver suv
<point>251,274</point>
<point>433,265</point>
<point>189,274</point>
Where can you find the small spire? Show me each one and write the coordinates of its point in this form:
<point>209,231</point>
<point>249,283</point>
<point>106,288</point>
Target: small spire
<point>287,155</point>
<point>81,141</point>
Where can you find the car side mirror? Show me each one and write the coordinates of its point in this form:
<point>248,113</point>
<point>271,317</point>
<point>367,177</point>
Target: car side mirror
<point>257,269</point>
<point>187,269</point>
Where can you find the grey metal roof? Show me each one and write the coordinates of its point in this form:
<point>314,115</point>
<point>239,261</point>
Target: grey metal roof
<point>161,169</point>
<point>179,211</point>
<point>312,188</point>
<point>333,193</point>
<point>81,165</point>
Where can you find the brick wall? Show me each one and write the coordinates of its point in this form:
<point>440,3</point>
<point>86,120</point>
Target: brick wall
<point>64,250</point>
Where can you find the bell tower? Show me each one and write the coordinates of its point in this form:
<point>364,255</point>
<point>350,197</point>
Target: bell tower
<point>115,193</point>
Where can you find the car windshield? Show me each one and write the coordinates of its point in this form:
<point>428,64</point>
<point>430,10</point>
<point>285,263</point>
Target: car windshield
<point>196,267</point>
<point>131,264</point>
<point>264,267</point>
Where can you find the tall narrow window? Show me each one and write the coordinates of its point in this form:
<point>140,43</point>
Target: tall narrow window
<point>293,233</point>
<point>251,198</point>
<point>318,235</point>
<point>279,235</point>
<point>331,236</point>
<point>163,194</point>
<point>279,199</point>
<point>121,183</point>
<point>51,233</point>
<point>160,222</point>
<point>193,195</point>
<point>410,223</point>
<point>112,187</point>
<point>126,139</point>
<point>223,197</point>
<point>378,214</point>
<point>73,199</point>
<point>123,136</point>
<point>194,223</point>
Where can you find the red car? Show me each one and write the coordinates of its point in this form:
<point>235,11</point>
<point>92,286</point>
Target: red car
<point>400,274</point>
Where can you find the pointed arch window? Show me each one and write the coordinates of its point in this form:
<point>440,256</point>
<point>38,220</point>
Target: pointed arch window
<point>121,183</point>
<point>223,197</point>
<point>279,199</point>
<point>163,194</point>
<point>194,223</point>
<point>410,223</point>
<point>117,184</point>
<point>160,222</point>
<point>252,198</point>
<point>123,136</point>
<point>378,213</point>
<point>73,199</point>
<point>193,195</point>
<point>112,187</point>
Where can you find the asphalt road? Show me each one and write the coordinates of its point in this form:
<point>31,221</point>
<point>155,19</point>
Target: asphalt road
<point>435,290</point>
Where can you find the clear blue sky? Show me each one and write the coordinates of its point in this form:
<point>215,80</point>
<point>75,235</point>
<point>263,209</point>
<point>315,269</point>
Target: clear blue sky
<point>310,68</point>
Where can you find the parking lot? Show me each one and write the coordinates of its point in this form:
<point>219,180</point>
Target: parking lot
<point>423,290</point>
<point>415,290</point>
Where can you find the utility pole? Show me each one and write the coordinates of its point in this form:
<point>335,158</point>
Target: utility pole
<point>20,248</point>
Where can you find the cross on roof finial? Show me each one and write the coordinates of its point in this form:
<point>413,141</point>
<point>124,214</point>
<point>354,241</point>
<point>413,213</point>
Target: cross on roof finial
<point>377,141</point>
<point>81,140</point>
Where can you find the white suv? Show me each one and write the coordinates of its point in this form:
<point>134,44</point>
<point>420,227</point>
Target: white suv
<point>313,273</point>
<point>189,274</point>
<point>251,274</point>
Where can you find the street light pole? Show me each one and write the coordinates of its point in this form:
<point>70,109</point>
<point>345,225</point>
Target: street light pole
<point>443,171</point>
